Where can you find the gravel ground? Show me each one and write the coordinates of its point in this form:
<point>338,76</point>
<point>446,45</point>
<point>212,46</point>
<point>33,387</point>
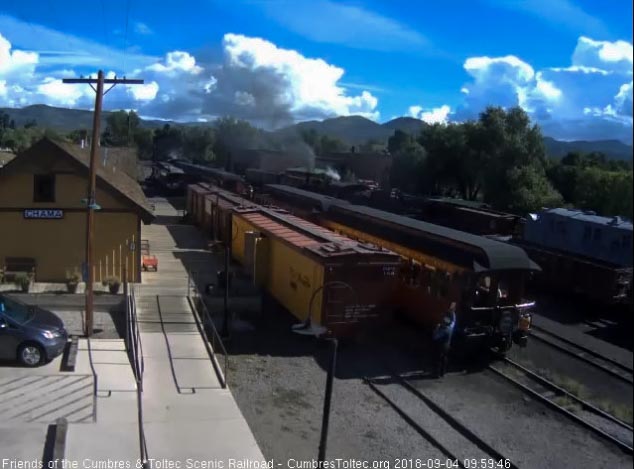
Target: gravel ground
<point>278,380</point>
<point>591,383</point>
<point>526,431</point>
<point>609,326</point>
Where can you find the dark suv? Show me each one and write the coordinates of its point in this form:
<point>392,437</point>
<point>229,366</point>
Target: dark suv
<point>30,335</point>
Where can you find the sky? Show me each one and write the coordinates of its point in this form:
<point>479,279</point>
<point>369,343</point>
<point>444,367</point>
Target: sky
<point>568,63</point>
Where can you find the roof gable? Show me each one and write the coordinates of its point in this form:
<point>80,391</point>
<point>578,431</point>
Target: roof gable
<point>59,156</point>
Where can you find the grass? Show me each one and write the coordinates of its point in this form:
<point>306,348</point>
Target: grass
<point>620,411</point>
<point>567,403</point>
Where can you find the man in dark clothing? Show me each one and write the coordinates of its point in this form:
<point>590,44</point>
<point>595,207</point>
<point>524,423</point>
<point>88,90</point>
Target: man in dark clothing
<point>442,336</point>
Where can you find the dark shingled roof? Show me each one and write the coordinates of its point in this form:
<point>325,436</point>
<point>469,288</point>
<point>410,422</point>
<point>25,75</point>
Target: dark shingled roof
<point>115,179</point>
<point>480,252</point>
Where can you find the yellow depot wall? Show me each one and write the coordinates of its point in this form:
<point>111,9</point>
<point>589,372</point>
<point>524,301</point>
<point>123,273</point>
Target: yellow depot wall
<point>292,276</point>
<point>58,246</point>
<point>16,191</point>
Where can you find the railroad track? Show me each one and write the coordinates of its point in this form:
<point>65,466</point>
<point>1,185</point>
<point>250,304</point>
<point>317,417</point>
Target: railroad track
<point>589,356</point>
<point>461,430</point>
<point>599,422</point>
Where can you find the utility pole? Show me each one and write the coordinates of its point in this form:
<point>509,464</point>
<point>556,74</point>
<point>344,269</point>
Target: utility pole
<point>91,203</point>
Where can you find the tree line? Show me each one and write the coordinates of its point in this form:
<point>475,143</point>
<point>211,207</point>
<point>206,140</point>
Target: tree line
<point>500,159</point>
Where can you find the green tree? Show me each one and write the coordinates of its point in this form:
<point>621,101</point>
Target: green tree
<point>120,129</point>
<point>606,192</point>
<point>530,190</point>
<point>408,169</point>
<point>331,145</point>
<point>29,124</point>
<point>144,141</point>
<point>198,144</point>
<point>167,142</point>
<point>399,142</point>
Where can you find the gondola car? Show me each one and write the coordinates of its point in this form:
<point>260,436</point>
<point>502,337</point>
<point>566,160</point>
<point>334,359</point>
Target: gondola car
<point>484,278</point>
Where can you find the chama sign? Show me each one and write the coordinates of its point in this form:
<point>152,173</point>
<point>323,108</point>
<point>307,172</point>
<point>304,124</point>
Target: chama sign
<point>44,214</point>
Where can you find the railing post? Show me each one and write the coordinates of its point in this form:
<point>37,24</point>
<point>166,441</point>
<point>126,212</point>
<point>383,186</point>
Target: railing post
<point>326,412</point>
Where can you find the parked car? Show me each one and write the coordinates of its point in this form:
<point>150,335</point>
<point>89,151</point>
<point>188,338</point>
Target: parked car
<point>32,336</point>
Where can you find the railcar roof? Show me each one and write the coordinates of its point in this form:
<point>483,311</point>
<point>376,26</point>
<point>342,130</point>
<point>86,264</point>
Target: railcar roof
<point>590,217</point>
<point>500,256</point>
<point>304,234</point>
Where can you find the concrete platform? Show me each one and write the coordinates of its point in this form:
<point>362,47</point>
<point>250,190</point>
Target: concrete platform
<point>187,414</point>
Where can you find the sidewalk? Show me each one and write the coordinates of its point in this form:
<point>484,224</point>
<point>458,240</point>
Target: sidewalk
<point>187,414</point>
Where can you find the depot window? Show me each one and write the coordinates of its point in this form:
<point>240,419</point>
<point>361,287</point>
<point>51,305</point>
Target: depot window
<point>44,188</point>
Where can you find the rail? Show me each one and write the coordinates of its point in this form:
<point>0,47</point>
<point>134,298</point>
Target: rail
<point>452,421</point>
<point>609,365</point>
<point>626,447</point>
<point>135,355</point>
<point>209,330</point>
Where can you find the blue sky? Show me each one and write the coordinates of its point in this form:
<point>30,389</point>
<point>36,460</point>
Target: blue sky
<point>567,62</point>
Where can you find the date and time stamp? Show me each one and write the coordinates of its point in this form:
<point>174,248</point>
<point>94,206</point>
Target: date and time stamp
<point>291,463</point>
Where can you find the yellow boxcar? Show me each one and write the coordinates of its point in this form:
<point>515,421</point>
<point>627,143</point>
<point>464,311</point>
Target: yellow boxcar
<point>297,262</point>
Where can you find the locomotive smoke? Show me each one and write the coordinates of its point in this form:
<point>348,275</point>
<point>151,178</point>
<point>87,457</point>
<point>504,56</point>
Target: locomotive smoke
<point>333,174</point>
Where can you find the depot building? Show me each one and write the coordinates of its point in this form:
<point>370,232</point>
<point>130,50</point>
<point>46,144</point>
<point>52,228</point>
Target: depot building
<point>43,214</point>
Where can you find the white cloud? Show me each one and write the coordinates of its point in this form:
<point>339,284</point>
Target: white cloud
<point>623,100</point>
<point>15,61</point>
<point>338,23</point>
<point>145,92</point>
<point>53,91</point>
<point>588,99</point>
<point>268,83</point>
<point>176,61</point>
<point>603,55</point>
<point>438,115</point>
<point>142,28</point>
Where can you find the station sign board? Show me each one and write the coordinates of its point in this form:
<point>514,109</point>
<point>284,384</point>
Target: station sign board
<point>43,214</point>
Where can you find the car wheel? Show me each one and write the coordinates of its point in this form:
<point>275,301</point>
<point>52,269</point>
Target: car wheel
<point>30,354</point>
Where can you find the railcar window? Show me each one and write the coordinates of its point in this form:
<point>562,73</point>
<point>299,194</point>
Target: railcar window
<point>44,188</point>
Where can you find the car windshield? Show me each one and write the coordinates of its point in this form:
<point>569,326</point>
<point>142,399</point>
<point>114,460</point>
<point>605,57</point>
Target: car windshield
<point>15,311</point>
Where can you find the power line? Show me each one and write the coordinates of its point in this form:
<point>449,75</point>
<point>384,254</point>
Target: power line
<point>103,17</point>
<point>125,37</point>
<point>91,203</point>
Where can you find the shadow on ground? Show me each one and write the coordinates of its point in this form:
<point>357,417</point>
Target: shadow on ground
<point>609,323</point>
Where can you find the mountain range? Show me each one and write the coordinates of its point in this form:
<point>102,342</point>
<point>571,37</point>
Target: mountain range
<point>353,130</point>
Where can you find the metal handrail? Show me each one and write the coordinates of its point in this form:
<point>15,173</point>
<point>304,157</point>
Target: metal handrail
<point>135,355</point>
<point>95,381</point>
<point>216,340</point>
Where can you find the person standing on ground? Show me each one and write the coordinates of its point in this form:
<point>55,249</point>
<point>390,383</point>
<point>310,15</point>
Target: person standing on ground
<point>443,333</point>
